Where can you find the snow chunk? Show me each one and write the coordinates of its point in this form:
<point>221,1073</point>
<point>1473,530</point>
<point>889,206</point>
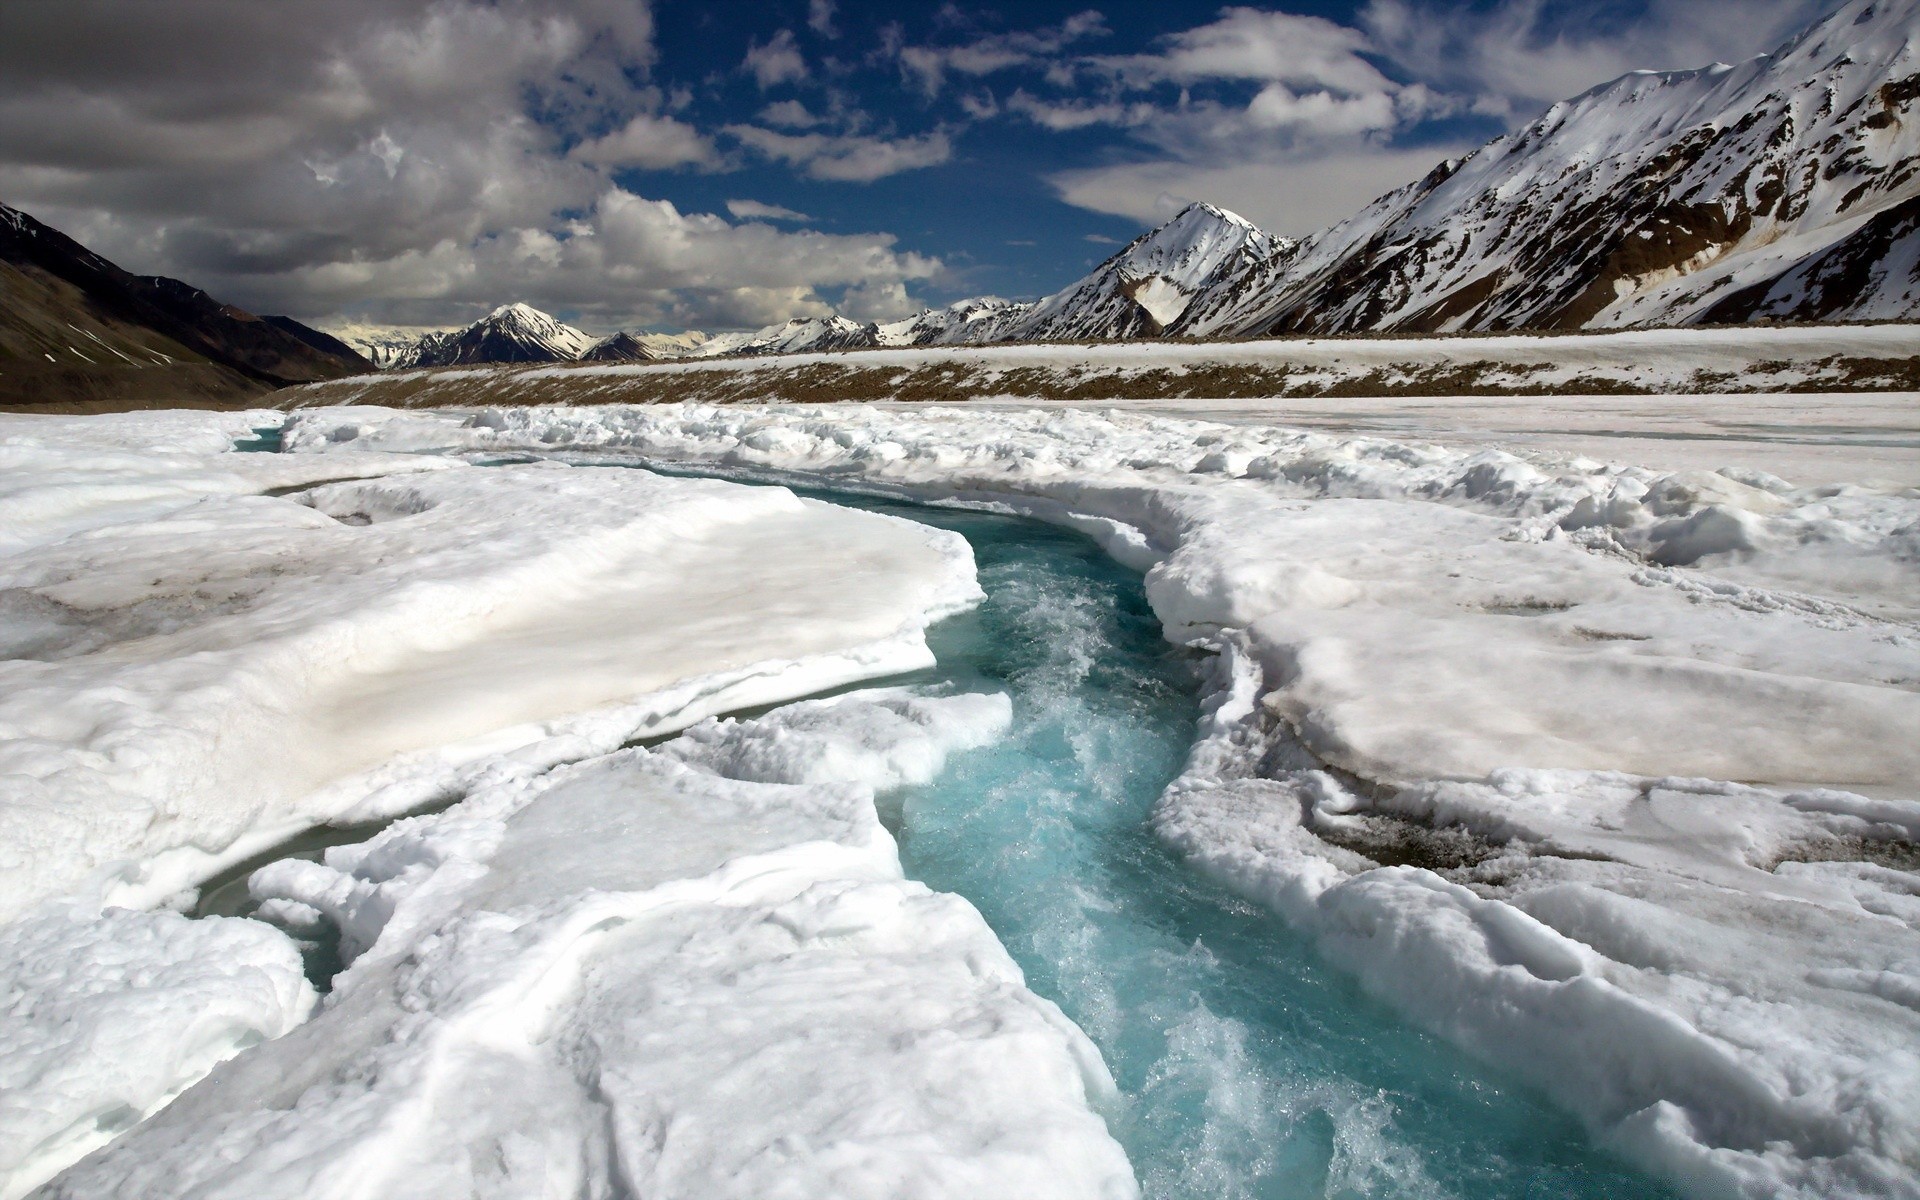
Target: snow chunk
<point>652,973</point>
<point>105,1019</point>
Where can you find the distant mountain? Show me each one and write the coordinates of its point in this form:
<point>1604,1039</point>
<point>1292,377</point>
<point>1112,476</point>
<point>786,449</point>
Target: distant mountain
<point>512,333</point>
<point>621,347</point>
<point>1786,188</point>
<point>78,332</point>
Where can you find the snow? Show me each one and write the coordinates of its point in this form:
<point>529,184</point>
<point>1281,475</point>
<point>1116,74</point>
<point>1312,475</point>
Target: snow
<point>694,971</point>
<point>1810,438</point>
<point>106,1017</point>
<point>202,661</point>
<point>1640,740</point>
<point>210,651</point>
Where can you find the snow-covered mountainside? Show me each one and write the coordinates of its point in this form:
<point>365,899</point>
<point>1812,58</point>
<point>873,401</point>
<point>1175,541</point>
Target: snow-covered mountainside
<point>1784,188</point>
<point>620,347</point>
<point>1147,288</point>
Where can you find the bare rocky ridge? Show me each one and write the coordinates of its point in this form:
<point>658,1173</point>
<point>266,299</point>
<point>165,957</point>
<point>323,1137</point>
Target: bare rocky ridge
<point>78,333</point>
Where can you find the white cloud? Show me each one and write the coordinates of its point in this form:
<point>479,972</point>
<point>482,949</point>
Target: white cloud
<point>777,61</point>
<point>379,160</point>
<point>1519,55</point>
<point>754,210</point>
<point>789,114</point>
<point>1293,198</point>
<point>929,65</point>
<point>628,262</point>
<point>1244,43</point>
<point>820,18</point>
<point>652,142</point>
<point>849,158</point>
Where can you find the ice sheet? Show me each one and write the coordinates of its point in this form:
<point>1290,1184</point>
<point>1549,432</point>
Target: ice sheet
<point>190,672</point>
<point>203,652</point>
<point>1605,772</point>
<point>688,972</point>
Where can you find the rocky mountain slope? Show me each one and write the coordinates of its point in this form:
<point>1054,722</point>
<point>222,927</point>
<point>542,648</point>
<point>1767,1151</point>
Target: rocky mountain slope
<point>1784,188</point>
<point>1787,187</point>
<point>78,332</point>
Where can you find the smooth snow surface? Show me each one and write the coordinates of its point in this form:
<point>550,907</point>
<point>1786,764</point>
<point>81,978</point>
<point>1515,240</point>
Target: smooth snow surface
<point>1605,774</point>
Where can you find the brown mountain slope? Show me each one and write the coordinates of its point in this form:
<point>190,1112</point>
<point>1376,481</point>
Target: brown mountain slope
<point>79,334</point>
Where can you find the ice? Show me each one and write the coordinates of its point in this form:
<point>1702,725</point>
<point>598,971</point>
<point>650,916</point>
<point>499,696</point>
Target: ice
<point>208,652</point>
<point>207,667</point>
<point>1605,773</point>
<point>656,973</point>
<point>104,1018</point>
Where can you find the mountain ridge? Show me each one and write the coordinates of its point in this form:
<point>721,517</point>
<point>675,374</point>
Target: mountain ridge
<point>76,330</point>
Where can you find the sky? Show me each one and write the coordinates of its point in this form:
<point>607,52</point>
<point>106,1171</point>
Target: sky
<point>730,164</point>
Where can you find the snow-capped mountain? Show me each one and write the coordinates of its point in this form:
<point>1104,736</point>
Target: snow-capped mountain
<point>788,337</point>
<point>1147,288</point>
<point>981,319</point>
<point>1784,188</point>
<point>620,347</point>
<point>512,333</point>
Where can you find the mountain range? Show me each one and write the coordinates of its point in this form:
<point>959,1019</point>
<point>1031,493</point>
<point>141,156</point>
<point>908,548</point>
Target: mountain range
<point>1786,188</point>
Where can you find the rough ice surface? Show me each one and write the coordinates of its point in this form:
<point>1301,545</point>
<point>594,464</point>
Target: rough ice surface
<point>105,1017</point>
<point>1605,773</point>
<point>194,660</point>
<point>208,651</point>
<point>692,971</point>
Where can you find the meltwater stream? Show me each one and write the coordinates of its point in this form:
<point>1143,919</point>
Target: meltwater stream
<point>1248,1068</point>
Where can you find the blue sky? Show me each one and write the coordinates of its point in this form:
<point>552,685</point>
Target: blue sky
<point>728,164</point>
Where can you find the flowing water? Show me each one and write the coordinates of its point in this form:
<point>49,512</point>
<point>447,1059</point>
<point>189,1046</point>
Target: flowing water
<point>1247,1067</point>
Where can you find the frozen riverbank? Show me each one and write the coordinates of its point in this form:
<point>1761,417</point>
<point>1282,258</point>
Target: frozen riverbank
<point>210,650</point>
<point>1646,735</point>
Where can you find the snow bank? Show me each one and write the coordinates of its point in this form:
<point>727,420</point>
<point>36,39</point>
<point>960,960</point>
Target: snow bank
<point>1606,774</point>
<point>204,652</point>
<point>693,971</point>
<point>196,661</point>
<point>103,1020</point>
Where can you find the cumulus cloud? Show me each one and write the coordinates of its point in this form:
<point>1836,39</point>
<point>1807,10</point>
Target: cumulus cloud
<point>628,261</point>
<point>754,210</point>
<point>775,62</point>
<point>649,141</point>
<point>849,158</point>
<point>406,161</point>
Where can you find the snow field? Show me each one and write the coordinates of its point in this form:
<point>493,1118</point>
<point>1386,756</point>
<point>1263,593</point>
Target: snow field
<point>1641,741</point>
<point>208,652</point>
<point>689,971</point>
<point>197,672</point>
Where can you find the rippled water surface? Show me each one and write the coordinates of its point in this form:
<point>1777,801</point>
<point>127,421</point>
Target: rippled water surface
<point>1248,1069</point>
